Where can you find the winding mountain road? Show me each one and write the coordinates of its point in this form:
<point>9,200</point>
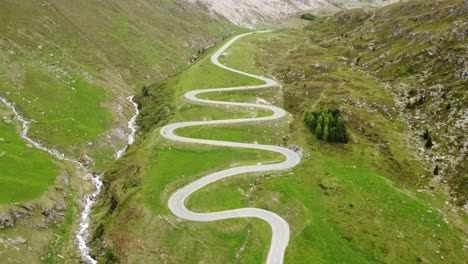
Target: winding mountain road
<point>280,228</point>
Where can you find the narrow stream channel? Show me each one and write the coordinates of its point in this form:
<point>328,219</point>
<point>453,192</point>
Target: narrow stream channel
<point>132,126</point>
<point>96,179</point>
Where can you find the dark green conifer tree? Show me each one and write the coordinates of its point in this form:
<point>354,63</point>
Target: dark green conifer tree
<point>325,134</point>
<point>318,131</point>
<point>429,143</point>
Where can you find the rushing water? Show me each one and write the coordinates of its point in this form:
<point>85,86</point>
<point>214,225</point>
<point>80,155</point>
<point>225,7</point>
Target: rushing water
<point>24,134</point>
<point>83,232</point>
<point>89,200</point>
<point>132,126</point>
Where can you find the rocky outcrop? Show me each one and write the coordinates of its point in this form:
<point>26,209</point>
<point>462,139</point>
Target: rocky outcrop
<point>86,160</point>
<point>26,214</point>
<point>249,13</point>
<point>6,220</point>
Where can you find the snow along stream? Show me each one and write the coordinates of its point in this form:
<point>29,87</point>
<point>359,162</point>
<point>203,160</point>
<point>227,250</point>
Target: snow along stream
<point>96,179</point>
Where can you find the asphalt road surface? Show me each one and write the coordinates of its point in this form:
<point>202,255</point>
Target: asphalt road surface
<point>280,228</point>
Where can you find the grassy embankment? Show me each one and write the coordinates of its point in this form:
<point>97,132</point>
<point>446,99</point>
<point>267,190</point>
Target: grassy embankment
<point>141,184</point>
<point>69,66</point>
<point>353,203</point>
<point>26,171</point>
<point>357,202</point>
<point>70,73</point>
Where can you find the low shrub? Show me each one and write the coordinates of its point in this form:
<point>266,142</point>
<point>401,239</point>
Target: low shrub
<point>308,16</point>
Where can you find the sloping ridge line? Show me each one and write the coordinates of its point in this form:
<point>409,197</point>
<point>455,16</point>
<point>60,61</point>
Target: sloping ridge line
<point>280,228</point>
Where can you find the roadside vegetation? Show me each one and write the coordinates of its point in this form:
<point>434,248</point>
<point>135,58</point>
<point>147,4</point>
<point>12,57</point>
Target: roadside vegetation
<point>346,203</point>
<point>68,68</point>
<point>380,198</point>
<point>338,187</point>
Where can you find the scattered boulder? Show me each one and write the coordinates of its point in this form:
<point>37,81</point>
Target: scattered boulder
<point>6,220</point>
<point>42,226</point>
<point>371,46</point>
<point>28,206</point>
<point>86,160</point>
<point>18,214</point>
<point>463,74</point>
<point>18,240</point>
<point>60,206</point>
<point>296,149</point>
<point>421,18</point>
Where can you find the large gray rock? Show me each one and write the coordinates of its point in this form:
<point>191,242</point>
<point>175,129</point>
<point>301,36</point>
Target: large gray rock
<point>6,220</point>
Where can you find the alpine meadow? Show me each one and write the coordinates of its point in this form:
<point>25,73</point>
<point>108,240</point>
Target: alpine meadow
<point>222,131</point>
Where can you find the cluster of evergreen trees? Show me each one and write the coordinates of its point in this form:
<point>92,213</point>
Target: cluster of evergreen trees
<point>327,125</point>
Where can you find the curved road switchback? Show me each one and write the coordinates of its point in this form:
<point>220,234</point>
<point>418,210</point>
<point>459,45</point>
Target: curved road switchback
<point>279,227</point>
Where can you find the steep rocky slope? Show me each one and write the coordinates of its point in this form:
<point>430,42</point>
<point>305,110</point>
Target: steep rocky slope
<point>417,49</point>
<point>249,13</point>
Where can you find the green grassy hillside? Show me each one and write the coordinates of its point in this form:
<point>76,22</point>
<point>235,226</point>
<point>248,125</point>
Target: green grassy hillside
<point>361,202</point>
<point>68,66</point>
<point>416,50</point>
<point>393,73</point>
<point>141,183</point>
<point>25,171</point>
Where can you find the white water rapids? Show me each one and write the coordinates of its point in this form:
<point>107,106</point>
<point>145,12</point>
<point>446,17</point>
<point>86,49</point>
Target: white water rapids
<point>83,232</point>
<point>89,200</point>
<point>132,126</point>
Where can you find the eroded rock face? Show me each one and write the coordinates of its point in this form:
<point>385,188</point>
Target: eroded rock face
<point>248,13</point>
<point>6,220</point>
